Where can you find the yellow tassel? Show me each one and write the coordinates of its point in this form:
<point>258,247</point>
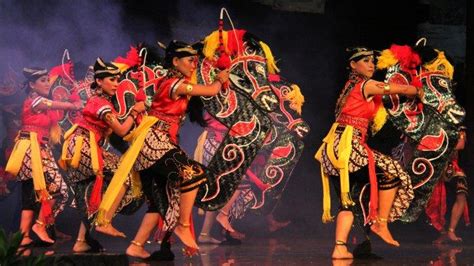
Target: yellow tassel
<point>136,185</point>
<point>16,158</point>
<point>379,120</point>
<point>211,43</point>
<point>296,98</point>
<point>65,161</point>
<point>271,65</point>
<point>441,64</point>
<point>327,217</point>
<point>386,59</point>
<point>199,151</point>
<point>55,133</point>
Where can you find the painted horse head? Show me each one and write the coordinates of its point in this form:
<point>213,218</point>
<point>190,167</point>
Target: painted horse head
<point>430,121</point>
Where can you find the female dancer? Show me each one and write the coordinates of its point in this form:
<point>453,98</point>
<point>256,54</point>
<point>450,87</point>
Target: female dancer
<point>32,161</point>
<point>155,152</point>
<point>82,154</point>
<point>346,155</point>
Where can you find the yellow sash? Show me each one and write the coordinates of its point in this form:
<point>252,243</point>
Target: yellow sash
<point>73,161</point>
<point>16,161</point>
<point>342,164</point>
<point>137,137</point>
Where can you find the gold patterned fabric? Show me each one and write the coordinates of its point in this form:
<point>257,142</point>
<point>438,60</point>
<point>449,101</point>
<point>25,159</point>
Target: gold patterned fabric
<point>156,144</point>
<point>390,173</point>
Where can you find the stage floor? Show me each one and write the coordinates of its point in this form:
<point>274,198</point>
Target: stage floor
<point>283,250</point>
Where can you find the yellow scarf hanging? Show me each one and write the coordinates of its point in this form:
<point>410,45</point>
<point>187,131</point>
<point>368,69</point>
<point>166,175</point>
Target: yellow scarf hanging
<point>342,164</point>
<point>73,161</point>
<point>137,137</point>
<point>16,161</point>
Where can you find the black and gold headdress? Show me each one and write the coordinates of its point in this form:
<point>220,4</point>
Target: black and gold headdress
<point>34,73</point>
<point>104,69</point>
<point>357,53</point>
<point>178,49</point>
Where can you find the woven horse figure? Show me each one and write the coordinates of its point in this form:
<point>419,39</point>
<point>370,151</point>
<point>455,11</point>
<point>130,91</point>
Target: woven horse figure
<point>431,123</point>
<point>272,168</point>
<point>242,106</point>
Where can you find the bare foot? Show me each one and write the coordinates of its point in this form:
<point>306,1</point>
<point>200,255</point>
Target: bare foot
<point>453,237</point>
<point>40,231</point>
<point>223,220</point>
<point>341,252</point>
<point>184,234</point>
<point>25,243</point>
<point>137,252</point>
<point>274,225</point>
<point>381,229</point>
<point>207,239</point>
<point>80,247</point>
<point>109,230</point>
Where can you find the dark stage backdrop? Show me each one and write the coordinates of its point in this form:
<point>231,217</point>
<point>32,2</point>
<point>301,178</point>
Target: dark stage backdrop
<point>309,47</point>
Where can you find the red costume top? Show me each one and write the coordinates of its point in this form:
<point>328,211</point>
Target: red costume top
<point>171,111</point>
<point>358,106</point>
<point>93,116</point>
<point>358,111</point>
<point>39,121</point>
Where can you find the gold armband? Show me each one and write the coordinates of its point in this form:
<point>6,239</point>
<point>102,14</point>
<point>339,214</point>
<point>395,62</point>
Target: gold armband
<point>386,88</point>
<point>109,117</point>
<point>189,88</point>
<point>48,103</point>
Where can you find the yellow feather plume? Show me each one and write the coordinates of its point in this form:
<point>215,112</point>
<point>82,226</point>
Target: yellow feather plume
<point>271,64</point>
<point>296,98</point>
<point>379,120</point>
<point>386,59</point>
<point>211,43</point>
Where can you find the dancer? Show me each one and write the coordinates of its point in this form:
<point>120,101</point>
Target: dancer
<point>32,161</point>
<point>346,157</point>
<point>87,163</point>
<point>436,208</point>
<point>170,179</point>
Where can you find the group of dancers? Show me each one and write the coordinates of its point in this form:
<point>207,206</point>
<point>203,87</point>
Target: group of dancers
<point>374,188</point>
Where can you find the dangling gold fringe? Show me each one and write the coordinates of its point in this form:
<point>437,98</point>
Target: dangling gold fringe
<point>441,64</point>
<point>199,151</point>
<point>55,133</point>
<point>379,120</point>
<point>271,64</point>
<point>136,185</point>
<point>211,43</point>
<point>296,98</point>
<point>386,59</point>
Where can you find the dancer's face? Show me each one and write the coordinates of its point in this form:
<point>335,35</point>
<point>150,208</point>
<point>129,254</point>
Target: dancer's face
<point>41,85</point>
<point>109,85</point>
<point>364,66</point>
<point>185,65</point>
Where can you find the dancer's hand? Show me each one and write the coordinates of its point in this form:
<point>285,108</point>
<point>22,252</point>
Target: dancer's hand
<point>223,76</point>
<point>139,107</point>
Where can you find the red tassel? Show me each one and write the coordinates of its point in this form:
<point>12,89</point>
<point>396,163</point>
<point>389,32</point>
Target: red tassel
<point>223,62</point>
<point>374,198</point>
<point>46,212</point>
<point>96,195</point>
